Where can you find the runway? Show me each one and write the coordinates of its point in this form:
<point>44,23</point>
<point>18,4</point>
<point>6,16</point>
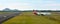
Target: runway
<point>5,17</point>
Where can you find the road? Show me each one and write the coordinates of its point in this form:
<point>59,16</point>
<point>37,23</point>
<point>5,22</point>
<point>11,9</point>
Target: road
<point>5,17</point>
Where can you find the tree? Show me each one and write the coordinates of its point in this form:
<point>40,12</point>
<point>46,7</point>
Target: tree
<point>6,9</point>
<point>15,10</point>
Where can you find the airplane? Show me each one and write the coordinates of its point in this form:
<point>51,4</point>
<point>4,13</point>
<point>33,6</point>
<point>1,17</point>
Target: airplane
<point>41,13</point>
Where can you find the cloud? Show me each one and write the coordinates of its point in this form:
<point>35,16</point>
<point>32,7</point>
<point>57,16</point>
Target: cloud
<point>20,6</point>
<point>50,6</point>
<point>29,4</point>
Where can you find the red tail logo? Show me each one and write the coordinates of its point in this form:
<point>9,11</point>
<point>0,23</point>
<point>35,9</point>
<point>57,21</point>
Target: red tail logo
<point>35,12</point>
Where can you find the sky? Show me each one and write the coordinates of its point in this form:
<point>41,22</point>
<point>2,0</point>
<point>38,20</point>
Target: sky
<point>30,4</point>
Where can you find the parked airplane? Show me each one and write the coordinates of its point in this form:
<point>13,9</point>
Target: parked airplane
<point>41,13</point>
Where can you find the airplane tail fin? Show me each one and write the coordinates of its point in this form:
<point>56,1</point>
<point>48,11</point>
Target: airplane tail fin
<point>35,12</point>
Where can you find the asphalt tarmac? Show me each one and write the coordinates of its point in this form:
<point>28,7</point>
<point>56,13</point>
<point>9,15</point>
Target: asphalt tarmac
<point>5,17</point>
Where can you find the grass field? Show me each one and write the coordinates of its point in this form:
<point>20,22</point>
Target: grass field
<point>29,18</point>
<point>6,12</point>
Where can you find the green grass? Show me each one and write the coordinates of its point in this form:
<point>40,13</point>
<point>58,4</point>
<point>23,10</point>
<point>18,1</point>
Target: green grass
<point>5,12</point>
<point>29,18</point>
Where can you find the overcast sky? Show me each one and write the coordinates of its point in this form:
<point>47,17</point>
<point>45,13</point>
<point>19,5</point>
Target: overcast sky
<point>30,4</point>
